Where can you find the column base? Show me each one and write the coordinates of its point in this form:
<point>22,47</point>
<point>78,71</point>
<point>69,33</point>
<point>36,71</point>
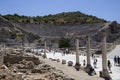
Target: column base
<point>105,75</point>
<point>44,56</point>
<point>87,68</point>
<point>77,66</point>
<point>90,70</point>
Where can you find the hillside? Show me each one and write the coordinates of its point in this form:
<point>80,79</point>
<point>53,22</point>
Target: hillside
<point>49,27</point>
<point>11,33</point>
<point>57,19</point>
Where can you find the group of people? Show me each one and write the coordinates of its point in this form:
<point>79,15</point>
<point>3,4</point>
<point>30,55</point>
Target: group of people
<point>116,63</point>
<point>116,60</point>
<point>94,62</point>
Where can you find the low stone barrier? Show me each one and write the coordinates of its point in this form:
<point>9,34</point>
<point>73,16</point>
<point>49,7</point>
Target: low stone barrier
<point>58,60</point>
<point>70,63</point>
<point>63,61</point>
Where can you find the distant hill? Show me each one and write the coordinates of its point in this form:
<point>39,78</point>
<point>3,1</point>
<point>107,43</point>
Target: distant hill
<point>57,19</point>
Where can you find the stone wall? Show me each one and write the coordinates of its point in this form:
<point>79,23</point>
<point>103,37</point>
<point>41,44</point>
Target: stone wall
<point>12,59</point>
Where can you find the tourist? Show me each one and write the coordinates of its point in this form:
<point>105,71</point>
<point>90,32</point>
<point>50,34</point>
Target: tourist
<point>118,60</point>
<point>63,53</point>
<point>92,55</point>
<point>84,62</point>
<point>95,62</point>
<point>115,61</point>
<point>54,53</point>
<point>109,66</point>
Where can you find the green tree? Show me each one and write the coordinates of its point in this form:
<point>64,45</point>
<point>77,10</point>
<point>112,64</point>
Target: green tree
<point>19,36</point>
<point>64,43</point>
<point>12,35</point>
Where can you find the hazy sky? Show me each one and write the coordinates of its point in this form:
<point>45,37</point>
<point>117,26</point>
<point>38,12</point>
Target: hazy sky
<point>106,9</point>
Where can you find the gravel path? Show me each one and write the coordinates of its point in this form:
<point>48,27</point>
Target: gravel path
<point>70,71</point>
<point>114,52</point>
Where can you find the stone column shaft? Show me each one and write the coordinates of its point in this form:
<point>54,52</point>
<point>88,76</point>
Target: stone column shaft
<point>77,51</point>
<point>33,50</point>
<point>88,51</point>
<point>2,55</point>
<point>45,49</point>
<point>104,52</point>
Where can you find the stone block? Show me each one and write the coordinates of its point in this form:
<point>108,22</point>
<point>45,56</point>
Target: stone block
<point>58,60</point>
<point>70,63</point>
<point>63,61</point>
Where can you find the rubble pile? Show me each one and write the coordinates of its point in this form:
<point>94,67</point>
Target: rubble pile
<point>19,66</point>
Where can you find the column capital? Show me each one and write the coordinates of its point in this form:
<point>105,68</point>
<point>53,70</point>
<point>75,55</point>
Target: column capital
<point>76,37</point>
<point>88,36</point>
<point>104,33</point>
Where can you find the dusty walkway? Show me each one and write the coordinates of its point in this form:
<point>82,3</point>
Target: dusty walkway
<point>70,71</point>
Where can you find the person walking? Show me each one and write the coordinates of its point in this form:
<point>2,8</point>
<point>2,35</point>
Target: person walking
<point>95,62</point>
<point>118,60</point>
<point>84,62</point>
<point>115,61</point>
<point>109,66</point>
<point>92,55</point>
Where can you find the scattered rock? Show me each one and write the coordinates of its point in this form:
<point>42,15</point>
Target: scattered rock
<point>30,65</point>
<point>4,67</point>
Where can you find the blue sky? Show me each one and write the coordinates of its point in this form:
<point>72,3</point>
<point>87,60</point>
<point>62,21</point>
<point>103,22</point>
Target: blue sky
<point>106,9</point>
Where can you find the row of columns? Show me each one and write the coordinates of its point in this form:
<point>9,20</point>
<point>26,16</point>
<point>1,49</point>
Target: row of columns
<point>45,47</point>
<point>104,52</point>
<point>104,55</point>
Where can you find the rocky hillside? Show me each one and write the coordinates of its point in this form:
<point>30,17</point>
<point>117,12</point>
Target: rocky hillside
<point>12,33</point>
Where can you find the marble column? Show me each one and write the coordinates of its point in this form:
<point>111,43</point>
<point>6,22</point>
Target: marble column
<point>88,51</point>
<point>2,55</point>
<point>1,58</point>
<point>77,51</point>
<point>45,49</point>
<point>104,52</point>
<point>104,73</point>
